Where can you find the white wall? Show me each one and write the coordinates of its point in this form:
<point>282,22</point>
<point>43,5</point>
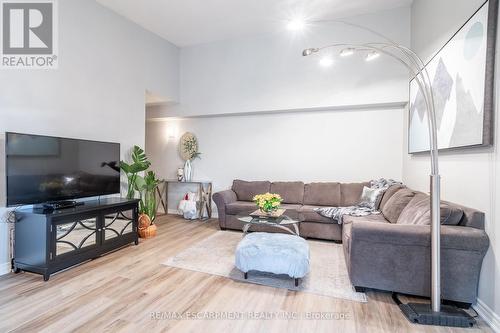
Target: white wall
<point>342,145</point>
<point>469,177</point>
<point>267,71</point>
<point>106,64</point>
<point>434,22</point>
<point>256,74</point>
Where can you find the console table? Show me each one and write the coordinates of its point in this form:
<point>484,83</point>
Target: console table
<point>204,193</point>
<point>160,196</point>
<point>49,241</point>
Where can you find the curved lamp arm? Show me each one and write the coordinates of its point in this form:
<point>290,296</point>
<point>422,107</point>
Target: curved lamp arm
<point>416,66</point>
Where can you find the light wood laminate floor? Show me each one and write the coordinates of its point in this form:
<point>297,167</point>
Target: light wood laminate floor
<point>131,291</point>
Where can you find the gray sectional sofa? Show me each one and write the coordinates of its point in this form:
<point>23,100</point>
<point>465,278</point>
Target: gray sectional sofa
<point>389,251</point>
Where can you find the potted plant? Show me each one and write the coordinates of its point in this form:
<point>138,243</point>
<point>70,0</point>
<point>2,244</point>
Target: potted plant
<point>146,186</point>
<point>268,203</point>
<point>140,163</point>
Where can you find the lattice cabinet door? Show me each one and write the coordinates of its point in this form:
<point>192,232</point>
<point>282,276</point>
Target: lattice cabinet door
<point>75,235</point>
<point>117,224</point>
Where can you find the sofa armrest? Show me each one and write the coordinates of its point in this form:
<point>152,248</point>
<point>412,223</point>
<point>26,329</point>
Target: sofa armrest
<point>221,199</point>
<point>224,197</point>
<point>452,237</point>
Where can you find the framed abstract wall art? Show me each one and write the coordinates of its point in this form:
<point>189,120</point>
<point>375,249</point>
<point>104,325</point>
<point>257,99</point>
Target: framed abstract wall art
<point>462,76</point>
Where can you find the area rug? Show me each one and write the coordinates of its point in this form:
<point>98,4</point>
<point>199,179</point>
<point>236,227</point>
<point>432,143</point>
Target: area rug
<point>215,255</point>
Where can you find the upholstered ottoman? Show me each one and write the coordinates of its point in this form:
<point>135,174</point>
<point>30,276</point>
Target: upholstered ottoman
<point>273,253</point>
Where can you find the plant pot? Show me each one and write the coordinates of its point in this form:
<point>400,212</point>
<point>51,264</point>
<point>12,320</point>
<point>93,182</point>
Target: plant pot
<point>148,232</point>
<point>144,221</point>
<point>269,211</point>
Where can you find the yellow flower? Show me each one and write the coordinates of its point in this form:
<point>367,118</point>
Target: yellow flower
<point>267,200</point>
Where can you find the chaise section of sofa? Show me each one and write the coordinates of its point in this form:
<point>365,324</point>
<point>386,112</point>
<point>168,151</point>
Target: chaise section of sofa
<point>396,256</point>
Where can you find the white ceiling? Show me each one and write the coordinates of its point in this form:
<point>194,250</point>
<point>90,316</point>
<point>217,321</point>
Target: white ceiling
<point>191,22</point>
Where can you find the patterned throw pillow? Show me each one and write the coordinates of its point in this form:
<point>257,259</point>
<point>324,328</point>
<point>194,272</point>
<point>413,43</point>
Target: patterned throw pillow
<point>371,197</point>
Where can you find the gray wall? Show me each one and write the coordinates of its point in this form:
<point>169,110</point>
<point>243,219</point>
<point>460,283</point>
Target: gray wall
<point>105,65</point>
<point>468,177</point>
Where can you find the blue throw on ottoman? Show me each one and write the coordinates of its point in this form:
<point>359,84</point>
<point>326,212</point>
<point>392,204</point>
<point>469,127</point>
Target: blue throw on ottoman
<point>273,253</point>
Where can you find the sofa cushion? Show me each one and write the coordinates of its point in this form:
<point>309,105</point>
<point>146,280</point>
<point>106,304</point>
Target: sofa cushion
<point>418,211</point>
<point>471,218</point>
<point>309,215</point>
<point>389,193</point>
<point>347,219</point>
<point>240,207</point>
<point>245,191</point>
<point>351,193</point>
<point>291,210</point>
<point>291,192</point>
<point>395,205</point>
<point>322,194</point>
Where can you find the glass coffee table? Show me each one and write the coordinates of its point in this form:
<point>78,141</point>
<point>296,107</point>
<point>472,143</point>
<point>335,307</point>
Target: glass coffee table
<point>282,222</point>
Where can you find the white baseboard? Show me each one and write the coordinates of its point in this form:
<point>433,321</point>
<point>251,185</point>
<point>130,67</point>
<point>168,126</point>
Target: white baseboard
<point>490,317</point>
<point>4,268</point>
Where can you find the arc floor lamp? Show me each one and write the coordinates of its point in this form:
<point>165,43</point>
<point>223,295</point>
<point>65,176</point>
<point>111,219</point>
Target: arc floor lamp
<point>435,313</point>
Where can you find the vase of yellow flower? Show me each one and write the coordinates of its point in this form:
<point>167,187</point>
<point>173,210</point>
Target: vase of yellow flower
<point>268,202</point>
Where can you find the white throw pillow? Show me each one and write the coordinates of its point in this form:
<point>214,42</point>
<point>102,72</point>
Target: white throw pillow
<point>371,197</point>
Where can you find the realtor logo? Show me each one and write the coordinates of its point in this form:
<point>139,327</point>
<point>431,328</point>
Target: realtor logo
<point>29,32</point>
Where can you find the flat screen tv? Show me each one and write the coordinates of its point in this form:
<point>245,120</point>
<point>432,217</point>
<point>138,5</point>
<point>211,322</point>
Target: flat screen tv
<point>43,169</point>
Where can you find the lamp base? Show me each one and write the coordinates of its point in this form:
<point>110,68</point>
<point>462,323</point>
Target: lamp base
<point>421,313</point>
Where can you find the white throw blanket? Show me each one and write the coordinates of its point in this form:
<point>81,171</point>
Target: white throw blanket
<point>337,213</point>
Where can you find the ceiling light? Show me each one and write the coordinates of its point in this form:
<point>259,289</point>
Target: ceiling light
<point>308,52</point>
<point>326,62</point>
<point>347,52</point>
<point>372,55</point>
<point>296,25</point>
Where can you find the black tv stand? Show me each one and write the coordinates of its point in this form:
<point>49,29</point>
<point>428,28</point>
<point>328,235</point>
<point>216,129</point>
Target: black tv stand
<point>47,241</point>
<point>53,205</point>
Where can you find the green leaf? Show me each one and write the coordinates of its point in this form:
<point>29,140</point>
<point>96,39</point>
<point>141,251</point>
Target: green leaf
<point>151,181</point>
<point>144,185</point>
<point>139,167</point>
<point>139,183</point>
<point>139,156</point>
<point>125,167</point>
